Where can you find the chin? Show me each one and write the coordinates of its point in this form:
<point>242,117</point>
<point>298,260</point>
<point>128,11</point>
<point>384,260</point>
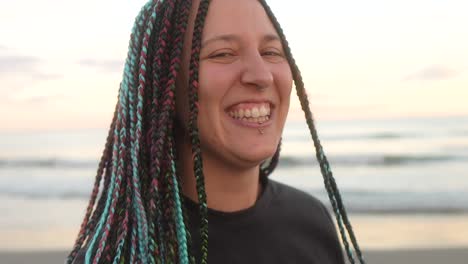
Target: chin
<point>255,156</point>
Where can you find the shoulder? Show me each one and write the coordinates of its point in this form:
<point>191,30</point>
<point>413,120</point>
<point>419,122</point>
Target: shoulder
<point>292,196</point>
<point>307,220</point>
<point>300,204</point>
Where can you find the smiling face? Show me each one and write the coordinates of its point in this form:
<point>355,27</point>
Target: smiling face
<point>244,84</point>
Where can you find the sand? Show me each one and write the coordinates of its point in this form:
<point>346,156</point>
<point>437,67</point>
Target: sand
<point>413,256</point>
<point>416,256</point>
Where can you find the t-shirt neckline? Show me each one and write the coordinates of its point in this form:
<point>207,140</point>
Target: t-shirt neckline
<point>217,216</point>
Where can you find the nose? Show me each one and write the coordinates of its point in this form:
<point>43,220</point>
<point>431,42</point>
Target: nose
<point>256,72</point>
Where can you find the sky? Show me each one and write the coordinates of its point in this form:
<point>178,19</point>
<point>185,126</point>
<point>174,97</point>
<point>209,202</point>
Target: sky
<point>61,61</point>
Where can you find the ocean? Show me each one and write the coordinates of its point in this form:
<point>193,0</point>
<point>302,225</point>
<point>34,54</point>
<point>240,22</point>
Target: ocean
<point>415,168</point>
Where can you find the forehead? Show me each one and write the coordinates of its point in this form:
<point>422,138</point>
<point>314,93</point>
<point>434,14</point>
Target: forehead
<point>237,17</point>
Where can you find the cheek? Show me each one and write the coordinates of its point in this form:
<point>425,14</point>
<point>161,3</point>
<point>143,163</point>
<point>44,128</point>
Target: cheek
<point>284,83</point>
<point>215,81</point>
<point>210,93</point>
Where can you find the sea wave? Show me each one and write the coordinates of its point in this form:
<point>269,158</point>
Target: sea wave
<point>285,161</point>
<point>370,160</point>
<point>400,202</point>
<point>45,195</point>
<point>304,135</point>
<point>47,163</point>
<point>356,201</point>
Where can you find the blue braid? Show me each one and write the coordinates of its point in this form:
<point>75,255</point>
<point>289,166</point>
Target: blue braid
<point>180,225</point>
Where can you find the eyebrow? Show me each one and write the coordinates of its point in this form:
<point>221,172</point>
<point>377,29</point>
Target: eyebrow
<point>233,38</point>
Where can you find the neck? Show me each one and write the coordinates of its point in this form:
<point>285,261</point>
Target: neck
<point>227,189</point>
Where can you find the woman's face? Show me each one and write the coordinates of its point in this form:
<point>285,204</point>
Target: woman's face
<point>244,84</point>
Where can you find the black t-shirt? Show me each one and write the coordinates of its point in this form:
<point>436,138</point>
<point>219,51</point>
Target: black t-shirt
<point>285,225</point>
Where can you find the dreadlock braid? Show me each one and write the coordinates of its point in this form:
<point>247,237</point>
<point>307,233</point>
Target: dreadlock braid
<point>330,184</point>
<point>135,135</point>
<point>166,115</point>
<point>102,164</point>
<point>125,96</point>
<point>154,203</point>
<point>267,167</point>
<point>130,224</point>
<point>195,140</point>
<point>182,23</point>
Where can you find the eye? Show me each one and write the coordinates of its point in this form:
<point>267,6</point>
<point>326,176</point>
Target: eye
<point>225,56</point>
<point>272,53</point>
<point>220,55</point>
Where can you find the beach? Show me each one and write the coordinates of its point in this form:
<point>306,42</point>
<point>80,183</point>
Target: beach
<point>396,239</point>
<point>402,256</point>
<point>385,239</point>
<point>404,184</point>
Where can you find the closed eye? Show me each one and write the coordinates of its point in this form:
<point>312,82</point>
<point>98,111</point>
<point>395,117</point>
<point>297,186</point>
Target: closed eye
<point>271,53</point>
<point>221,55</point>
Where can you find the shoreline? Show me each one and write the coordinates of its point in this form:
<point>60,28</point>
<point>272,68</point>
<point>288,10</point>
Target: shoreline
<point>373,232</point>
<point>414,256</point>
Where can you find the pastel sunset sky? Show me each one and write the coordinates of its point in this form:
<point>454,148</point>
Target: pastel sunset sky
<point>61,61</point>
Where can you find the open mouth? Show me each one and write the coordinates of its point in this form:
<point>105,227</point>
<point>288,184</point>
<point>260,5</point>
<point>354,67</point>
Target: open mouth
<point>256,113</point>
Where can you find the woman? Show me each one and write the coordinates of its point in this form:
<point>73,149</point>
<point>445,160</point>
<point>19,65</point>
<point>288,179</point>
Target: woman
<point>196,132</point>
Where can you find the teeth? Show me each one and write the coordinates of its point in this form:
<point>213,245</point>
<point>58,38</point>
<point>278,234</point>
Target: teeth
<point>259,120</point>
<point>240,113</point>
<point>263,111</point>
<point>255,112</point>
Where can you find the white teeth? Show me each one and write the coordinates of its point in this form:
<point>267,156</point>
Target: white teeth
<point>263,111</point>
<point>240,113</point>
<point>255,112</point>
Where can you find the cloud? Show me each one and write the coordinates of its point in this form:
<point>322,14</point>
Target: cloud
<point>46,76</point>
<point>432,73</point>
<point>18,63</point>
<point>25,65</point>
<point>104,65</point>
<point>32,100</point>
<point>42,99</point>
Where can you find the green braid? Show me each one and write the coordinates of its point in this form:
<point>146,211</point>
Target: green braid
<point>194,134</point>
<point>137,174</point>
<point>267,167</point>
<point>154,203</point>
<point>330,184</point>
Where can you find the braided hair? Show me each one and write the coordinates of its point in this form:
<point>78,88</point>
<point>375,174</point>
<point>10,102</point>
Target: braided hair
<point>137,214</point>
<point>329,180</point>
